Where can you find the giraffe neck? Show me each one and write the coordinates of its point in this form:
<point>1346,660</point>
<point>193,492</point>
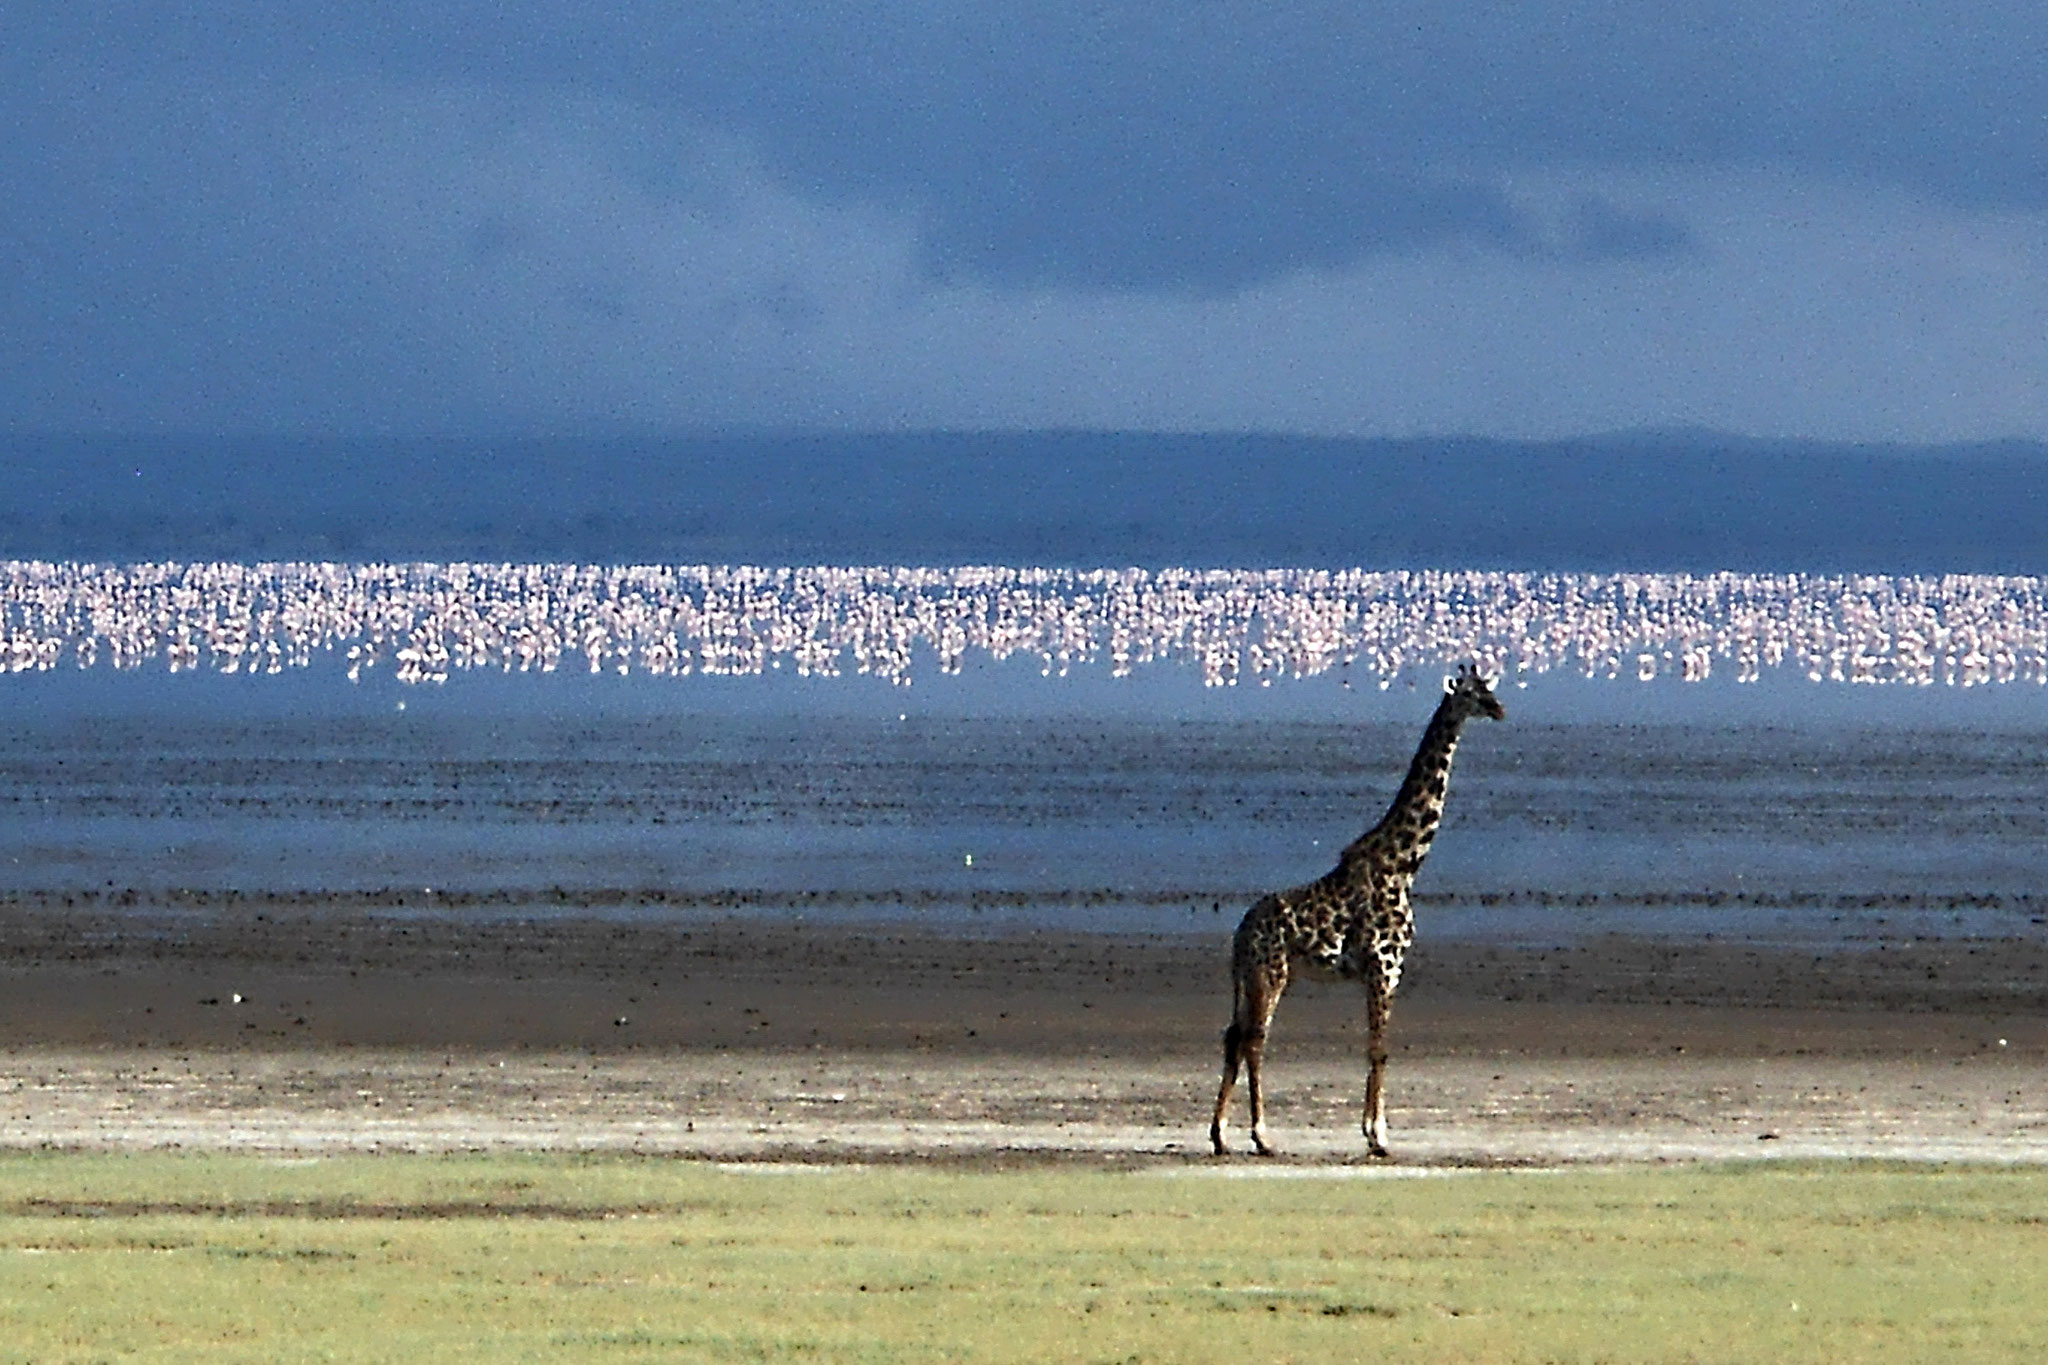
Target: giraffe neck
<point>1403,835</point>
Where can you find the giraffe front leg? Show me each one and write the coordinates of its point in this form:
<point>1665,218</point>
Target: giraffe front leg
<point>1379,1009</point>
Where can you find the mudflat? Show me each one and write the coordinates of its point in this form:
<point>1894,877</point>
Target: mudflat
<point>302,1030</point>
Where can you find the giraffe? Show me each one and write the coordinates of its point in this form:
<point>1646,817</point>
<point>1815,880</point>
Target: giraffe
<point>1353,923</point>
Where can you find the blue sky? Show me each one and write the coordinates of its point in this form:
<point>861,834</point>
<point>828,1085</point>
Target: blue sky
<point>1772,217</point>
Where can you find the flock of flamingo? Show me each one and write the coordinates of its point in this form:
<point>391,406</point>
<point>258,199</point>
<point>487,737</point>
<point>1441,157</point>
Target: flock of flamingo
<point>427,621</point>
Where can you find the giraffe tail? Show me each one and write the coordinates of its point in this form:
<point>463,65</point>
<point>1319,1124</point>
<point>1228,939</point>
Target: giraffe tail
<point>1233,1036</point>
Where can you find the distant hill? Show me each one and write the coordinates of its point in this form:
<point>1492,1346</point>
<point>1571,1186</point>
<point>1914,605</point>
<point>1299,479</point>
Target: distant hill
<point>1646,501</point>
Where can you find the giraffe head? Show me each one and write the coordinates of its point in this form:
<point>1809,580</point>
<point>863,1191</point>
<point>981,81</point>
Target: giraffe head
<point>1472,693</point>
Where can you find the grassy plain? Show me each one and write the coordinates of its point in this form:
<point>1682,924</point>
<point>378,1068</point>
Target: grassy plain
<point>229,1258</point>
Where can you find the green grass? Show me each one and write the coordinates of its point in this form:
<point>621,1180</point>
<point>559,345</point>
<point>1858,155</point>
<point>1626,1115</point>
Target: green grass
<point>230,1259</point>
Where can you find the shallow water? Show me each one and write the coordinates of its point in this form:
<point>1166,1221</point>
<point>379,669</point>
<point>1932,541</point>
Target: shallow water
<point>1553,832</point>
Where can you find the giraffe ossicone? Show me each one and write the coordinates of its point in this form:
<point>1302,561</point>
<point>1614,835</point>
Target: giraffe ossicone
<point>1354,922</point>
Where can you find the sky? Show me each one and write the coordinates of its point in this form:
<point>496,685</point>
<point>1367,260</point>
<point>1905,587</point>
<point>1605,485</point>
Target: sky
<point>1542,218</point>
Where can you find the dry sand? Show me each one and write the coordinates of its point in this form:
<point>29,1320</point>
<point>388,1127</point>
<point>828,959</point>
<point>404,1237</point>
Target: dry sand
<point>739,1039</point>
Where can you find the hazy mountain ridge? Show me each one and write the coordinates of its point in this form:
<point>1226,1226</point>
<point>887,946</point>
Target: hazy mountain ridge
<point>1666,500</point>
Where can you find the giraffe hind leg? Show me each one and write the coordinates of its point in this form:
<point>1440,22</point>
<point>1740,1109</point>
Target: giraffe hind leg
<point>1258,974</point>
<point>1261,1008</point>
<point>1233,1055</point>
<point>1244,1047</point>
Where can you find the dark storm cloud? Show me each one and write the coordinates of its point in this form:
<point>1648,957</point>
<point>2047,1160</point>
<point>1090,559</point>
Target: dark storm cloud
<point>1199,144</point>
<point>1520,218</point>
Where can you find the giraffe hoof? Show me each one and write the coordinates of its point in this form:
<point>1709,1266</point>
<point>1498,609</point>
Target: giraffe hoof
<point>1378,1150</point>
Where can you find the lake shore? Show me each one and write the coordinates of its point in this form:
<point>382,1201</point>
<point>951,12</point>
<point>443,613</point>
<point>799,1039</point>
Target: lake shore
<point>740,1038</point>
